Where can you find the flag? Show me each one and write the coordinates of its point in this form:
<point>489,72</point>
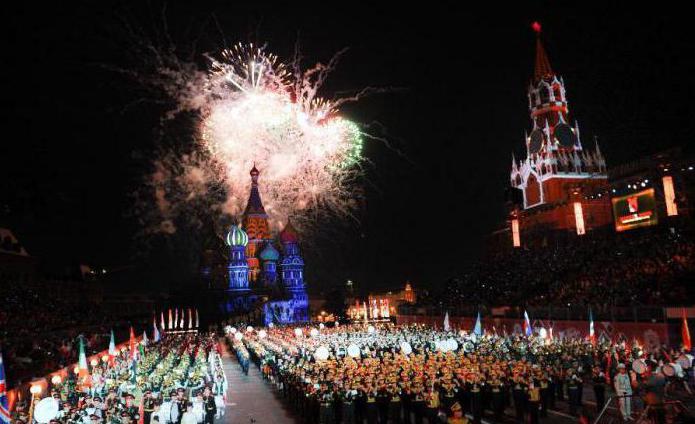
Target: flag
<point>82,363</point>
<point>190,318</point>
<point>550,333</point>
<point>183,316</point>
<point>197,322</point>
<point>4,405</point>
<point>478,329</point>
<point>144,338</point>
<point>446,321</point>
<point>112,350</point>
<point>141,411</point>
<point>169,327</point>
<point>592,336</point>
<point>155,334</point>
<point>528,330</point>
<point>176,317</point>
<point>162,321</point>
<point>685,333</point>
<point>132,343</point>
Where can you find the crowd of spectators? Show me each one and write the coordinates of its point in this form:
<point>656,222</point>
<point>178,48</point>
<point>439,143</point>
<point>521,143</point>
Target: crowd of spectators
<point>643,267</point>
<point>40,322</point>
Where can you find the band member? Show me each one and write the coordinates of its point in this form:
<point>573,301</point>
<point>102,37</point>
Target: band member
<point>623,388</point>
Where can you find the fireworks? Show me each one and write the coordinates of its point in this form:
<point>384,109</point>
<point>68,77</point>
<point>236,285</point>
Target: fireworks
<point>253,109</point>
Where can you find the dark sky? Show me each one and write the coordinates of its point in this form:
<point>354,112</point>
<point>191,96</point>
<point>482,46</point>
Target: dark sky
<point>71,152</point>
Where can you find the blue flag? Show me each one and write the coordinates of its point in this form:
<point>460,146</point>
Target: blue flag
<point>478,329</point>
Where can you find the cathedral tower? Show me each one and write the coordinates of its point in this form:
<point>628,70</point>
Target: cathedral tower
<point>255,221</point>
<point>238,267</point>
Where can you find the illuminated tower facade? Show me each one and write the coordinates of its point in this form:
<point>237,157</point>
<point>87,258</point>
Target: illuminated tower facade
<point>270,257</point>
<point>238,268</point>
<point>558,171</point>
<point>296,307</point>
<point>255,221</point>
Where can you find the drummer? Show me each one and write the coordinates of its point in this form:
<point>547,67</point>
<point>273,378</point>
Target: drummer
<point>652,386</point>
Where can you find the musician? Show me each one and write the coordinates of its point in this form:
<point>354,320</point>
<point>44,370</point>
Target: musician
<point>534,400</point>
<point>209,405</point>
<point>599,379</point>
<point>188,417</point>
<point>622,384</point>
<point>148,406</point>
<point>574,387</point>
<point>519,395</point>
<point>652,386</point>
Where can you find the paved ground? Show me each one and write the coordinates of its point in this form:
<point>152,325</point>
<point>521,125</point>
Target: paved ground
<point>249,398</point>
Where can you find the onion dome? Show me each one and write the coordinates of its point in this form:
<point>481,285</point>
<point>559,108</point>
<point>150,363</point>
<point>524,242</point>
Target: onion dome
<point>237,237</point>
<point>289,234</point>
<point>270,253</point>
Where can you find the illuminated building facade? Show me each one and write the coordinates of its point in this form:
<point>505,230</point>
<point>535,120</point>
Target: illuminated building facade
<point>381,305</point>
<point>254,261</point>
<point>558,171</point>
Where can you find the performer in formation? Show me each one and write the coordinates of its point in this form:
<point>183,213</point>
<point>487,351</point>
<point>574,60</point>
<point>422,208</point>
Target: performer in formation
<point>168,382</point>
<point>416,374</point>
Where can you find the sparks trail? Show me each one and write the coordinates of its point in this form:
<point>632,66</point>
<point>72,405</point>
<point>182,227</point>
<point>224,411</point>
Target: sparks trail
<point>249,107</point>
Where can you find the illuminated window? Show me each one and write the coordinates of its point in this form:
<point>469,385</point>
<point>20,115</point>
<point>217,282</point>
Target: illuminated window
<point>579,218</point>
<point>670,196</point>
<point>516,239</point>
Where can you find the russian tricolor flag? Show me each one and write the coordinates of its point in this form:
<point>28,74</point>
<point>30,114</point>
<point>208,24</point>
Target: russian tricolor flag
<point>528,330</point>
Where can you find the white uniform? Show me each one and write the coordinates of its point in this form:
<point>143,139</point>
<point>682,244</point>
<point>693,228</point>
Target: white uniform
<point>188,418</point>
<point>165,412</point>
<point>198,410</point>
<point>623,387</point>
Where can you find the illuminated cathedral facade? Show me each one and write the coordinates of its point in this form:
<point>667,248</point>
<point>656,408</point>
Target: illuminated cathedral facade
<point>559,174</point>
<point>256,267</point>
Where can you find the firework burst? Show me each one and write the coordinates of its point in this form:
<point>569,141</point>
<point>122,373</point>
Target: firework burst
<point>251,109</point>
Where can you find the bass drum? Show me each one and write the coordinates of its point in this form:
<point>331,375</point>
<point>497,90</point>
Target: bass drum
<point>685,361</point>
<point>672,370</point>
<point>46,410</point>
<point>639,366</point>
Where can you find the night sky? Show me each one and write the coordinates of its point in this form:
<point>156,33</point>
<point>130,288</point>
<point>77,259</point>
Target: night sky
<point>73,152</point>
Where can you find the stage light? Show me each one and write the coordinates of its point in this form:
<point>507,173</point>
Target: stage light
<point>35,389</point>
<point>56,379</point>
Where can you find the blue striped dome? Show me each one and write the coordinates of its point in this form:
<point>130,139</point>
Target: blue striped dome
<point>237,237</point>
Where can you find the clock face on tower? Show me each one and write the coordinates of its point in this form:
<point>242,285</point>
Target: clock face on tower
<point>536,141</point>
<point>565,136</point>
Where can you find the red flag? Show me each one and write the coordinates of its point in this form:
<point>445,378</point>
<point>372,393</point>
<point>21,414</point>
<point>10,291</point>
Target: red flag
<point>141,411</point>
<point>685,333</point>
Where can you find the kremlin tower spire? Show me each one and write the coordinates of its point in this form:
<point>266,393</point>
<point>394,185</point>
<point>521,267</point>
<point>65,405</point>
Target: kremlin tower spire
<point>555,159</point>
<point>542,69</point>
